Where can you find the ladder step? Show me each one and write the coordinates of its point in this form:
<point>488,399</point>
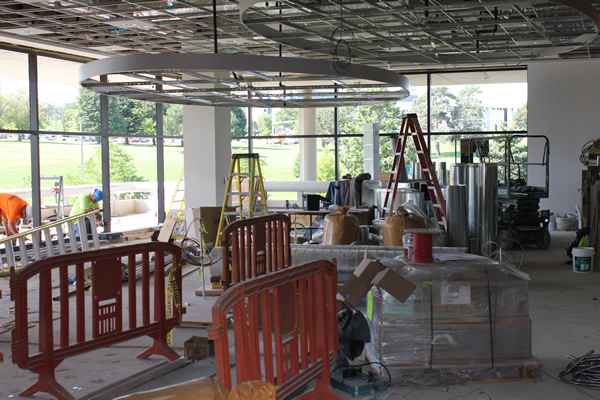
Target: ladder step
<point>243,194</point>
<point>240,174</point>
<point>239,213</point>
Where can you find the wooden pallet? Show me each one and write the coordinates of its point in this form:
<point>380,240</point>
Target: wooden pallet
<point>209,291</point>
<point>528,370</point>
<point>195,324</point>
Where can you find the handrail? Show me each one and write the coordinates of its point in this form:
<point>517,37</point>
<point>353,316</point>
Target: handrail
<point>84,245</point>
<point>48,225</point>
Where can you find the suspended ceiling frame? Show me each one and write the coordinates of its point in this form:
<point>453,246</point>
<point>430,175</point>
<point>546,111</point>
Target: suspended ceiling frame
<point>398,36</point>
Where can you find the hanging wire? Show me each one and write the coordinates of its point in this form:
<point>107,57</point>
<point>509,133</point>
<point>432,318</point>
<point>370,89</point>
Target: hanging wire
<point>341,49</point>
<point>585,149</point>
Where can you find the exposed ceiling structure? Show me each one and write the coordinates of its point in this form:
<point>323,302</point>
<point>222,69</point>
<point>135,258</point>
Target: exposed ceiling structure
<point>395,35</point>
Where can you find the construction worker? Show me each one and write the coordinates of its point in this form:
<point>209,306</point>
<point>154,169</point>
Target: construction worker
<point>13,208</point>
<point>86,203</point>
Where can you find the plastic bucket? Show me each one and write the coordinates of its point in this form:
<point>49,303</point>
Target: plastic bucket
<point>583,259</point>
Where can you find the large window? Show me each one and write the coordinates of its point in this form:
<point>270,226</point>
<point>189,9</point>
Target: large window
<point>464,104</point>
<point>14,116</point>
<point>14,92</point>
<point>456,104</point>
<point>58,91</point>
<point>449,105</point>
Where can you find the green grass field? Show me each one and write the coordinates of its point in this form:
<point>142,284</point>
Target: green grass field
<point>63,158</point>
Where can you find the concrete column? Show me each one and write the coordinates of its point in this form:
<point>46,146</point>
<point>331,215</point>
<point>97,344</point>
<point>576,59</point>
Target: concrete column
<point>371,145</point>
<point>308,146</point>
<point>207,154</point>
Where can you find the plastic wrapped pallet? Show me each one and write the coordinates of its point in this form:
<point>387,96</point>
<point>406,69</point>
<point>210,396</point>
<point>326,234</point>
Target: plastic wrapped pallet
<point>463,314</point>
<point>348,257</point>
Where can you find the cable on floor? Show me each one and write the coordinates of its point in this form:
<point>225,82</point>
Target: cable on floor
<point>583,371</point>
<point>580,390</point>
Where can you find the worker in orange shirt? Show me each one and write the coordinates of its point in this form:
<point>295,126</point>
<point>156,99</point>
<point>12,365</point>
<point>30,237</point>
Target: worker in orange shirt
<point>13,208</point>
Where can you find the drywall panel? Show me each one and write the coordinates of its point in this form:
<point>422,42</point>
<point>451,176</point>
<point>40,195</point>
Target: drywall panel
<point>564,104</point>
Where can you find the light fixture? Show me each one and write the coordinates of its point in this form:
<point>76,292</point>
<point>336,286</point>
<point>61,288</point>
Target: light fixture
<point>250,81</point>
<point>26,31</point>
<point>130,23</point>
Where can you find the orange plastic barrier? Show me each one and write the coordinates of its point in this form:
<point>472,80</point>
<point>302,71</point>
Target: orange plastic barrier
<point>114,317</point>
<point>255,246</point>
<point>291,312</point>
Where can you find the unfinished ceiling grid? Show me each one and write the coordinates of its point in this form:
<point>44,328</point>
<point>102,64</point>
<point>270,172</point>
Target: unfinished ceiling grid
<point>397,35</point>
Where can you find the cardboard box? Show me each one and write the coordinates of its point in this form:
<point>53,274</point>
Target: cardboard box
<point>198,347</point>
<point>371,273</point>
<point>211,217</point>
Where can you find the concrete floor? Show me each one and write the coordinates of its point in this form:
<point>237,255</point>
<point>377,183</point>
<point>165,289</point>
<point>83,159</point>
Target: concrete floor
<point>564,309</point>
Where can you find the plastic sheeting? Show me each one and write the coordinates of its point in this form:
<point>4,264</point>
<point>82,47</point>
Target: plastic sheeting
<point>349,257</point>
<point>463,314</point>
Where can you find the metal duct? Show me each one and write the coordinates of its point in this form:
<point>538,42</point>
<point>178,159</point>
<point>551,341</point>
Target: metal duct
<point>443,174</point>
<point>456,209</point>
<point>403,195</point>
<point>417,171</point>
<point>489,202</point>
<point>482,204</point>
<point>458,174</point>
<point>473,178</point>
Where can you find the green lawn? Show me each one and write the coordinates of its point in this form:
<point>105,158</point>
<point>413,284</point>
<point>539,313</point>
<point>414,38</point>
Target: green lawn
<point>63,158</point>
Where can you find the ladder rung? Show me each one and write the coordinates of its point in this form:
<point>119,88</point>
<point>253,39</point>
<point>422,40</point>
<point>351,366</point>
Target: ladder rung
<point>243,194</point>
<point>240,174</point>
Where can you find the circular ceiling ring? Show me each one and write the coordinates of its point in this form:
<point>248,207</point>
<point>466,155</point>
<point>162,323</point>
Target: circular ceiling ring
<point>235,80</point>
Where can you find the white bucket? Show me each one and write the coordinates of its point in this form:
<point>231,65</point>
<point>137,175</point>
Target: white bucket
<point>583,259</point>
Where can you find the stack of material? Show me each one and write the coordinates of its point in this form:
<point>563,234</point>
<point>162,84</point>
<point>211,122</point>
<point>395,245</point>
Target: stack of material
<point>464,316</point>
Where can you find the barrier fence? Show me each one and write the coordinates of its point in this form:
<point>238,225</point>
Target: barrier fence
<point>292,314</point>
<point>60,233</point>
<point>255,246</point>
<point>106,317</point>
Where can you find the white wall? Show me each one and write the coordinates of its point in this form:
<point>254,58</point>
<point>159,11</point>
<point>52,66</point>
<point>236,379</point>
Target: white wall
<point>564,105</point>
<point>207,154</point>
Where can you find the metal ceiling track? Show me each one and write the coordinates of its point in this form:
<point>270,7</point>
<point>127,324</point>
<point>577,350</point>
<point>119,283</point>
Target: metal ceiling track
<point>230,80</point>
<point>397,35</point>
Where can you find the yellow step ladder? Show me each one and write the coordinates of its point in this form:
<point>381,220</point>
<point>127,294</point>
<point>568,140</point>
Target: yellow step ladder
<point>178,199</point>
<point>249,189</point>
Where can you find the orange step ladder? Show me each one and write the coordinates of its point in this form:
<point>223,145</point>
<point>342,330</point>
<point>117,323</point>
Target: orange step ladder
<point>410,126</point>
